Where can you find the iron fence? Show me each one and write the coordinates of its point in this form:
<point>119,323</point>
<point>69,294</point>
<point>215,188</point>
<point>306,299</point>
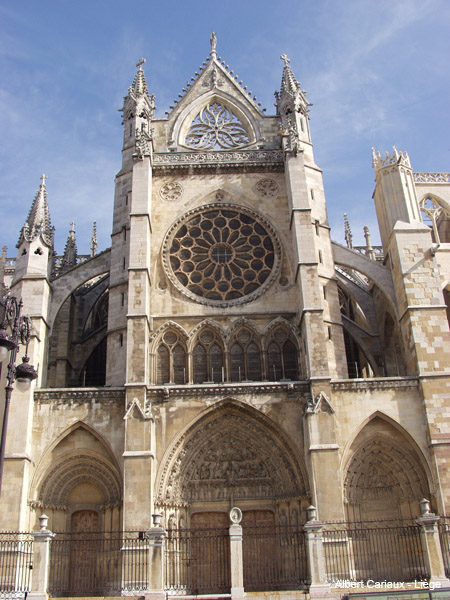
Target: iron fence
<point>444,535</point>
<point>16,562</point>
<point>98,564</point>
<point>274,558</point>
<point>374,552</point>
<point>197,561</point>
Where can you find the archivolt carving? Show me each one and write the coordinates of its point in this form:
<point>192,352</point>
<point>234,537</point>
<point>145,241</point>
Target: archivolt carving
<point>383,470</point>
<point>80,468</point>
<point>230,454</point>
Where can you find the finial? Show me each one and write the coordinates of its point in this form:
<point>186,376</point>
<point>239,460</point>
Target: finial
<point>43,178</point>
<point>286,59</point>
<point>213,42</point>
<point>140,62</point>
<point>348,232</point>
<point>94,244</point>
<point>72,227</point>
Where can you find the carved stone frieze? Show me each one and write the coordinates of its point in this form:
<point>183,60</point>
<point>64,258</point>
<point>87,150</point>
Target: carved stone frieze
<point>230,455</point>
<point>79,396</point>
<point>240,157</point>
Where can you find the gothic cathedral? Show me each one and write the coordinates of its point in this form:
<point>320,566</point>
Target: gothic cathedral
<point>225,352</point>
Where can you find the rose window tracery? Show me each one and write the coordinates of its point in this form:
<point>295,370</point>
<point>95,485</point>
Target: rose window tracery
<point>222,254</point>
<point>216,127</point>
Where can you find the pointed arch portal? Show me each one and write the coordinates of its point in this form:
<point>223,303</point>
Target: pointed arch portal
<point>231,453</point>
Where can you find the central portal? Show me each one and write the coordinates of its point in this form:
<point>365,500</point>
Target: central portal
<point>233,456</point>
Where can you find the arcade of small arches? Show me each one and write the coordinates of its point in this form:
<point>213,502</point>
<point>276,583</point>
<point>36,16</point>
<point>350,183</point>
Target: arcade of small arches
<point>211,355</point>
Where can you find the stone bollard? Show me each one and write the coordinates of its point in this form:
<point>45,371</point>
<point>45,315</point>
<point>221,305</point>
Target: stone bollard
<point>319,587</point>
<point>41,560</point>
<point>431,545</point>
<point>236,556</point>
<point>156,565</point>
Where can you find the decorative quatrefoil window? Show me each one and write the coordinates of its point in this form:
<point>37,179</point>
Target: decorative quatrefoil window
<point>222,255</point>
<point>216,127</point>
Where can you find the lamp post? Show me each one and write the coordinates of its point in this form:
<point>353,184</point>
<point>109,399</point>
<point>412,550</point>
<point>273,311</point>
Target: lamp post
<point>24,373</point>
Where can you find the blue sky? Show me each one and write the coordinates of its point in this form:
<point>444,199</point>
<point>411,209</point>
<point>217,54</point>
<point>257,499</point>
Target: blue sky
<point>377,73</point>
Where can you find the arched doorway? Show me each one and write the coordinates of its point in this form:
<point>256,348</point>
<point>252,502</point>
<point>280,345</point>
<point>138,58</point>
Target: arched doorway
<point>384,483</point>
<point>234,456</point>
<point>80,489</point>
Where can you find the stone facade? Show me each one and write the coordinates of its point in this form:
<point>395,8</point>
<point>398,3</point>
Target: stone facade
<point>224,351</point>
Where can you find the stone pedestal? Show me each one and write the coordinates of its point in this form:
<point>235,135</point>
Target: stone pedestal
<point>319,587</point>
<point>236,556</point>
<point>41,561</point>
<point>156,537</point>
<point>431,547</point>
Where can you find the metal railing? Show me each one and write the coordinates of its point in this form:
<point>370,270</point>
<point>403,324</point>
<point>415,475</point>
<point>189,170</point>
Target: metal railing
<point>197,561</point>
<point>98,564</point>
<point>274,558</point>
<point>16,562</point>
<point>444,536</point>
<point>373,551</point>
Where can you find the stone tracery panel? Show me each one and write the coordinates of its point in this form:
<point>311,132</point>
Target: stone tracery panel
<point>216,127</point>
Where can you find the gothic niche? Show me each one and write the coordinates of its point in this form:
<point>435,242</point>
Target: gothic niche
<point>230,456</point>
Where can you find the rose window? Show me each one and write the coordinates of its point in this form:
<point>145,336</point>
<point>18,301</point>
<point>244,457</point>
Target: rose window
<point>222,254</point>
<point>216,127</point>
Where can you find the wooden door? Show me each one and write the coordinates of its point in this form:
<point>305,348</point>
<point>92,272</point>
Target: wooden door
<point>209,570</point>
<point>260,550</point>
<point>83,553</point>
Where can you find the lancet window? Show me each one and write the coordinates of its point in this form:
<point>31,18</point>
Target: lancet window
<point>171,360</point>
<point>245,358</point>
<point>208,358</point>
<point>282,357</point>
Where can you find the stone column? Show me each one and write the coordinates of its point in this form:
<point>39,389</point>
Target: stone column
<point>41,561</point>
<point>431,546</point>
<point>236,556</point>
<point>319,587</point>
<point>156,565</point>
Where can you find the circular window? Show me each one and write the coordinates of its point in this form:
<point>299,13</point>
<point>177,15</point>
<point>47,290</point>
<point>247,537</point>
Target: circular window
<point>221,254</point>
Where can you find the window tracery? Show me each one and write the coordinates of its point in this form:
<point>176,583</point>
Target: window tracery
<point>221,254</point>
<point>245,358</point>
<point>208,358</point>
<point>282,357</point>
<point>171,359</point>
<point>216,127</point>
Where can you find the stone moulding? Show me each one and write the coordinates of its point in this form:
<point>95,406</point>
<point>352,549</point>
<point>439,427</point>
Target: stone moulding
<point>79,395</point>
<point>375,383</point>
<point>225,389</point>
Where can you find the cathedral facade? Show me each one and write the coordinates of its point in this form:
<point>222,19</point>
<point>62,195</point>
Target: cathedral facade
<point>225,352</point>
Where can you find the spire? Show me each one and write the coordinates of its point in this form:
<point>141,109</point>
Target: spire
<point>288,82</point>
<point>94,244</point>
<point>139,85</point>
<point>38,220</point>
<point>70,251</point>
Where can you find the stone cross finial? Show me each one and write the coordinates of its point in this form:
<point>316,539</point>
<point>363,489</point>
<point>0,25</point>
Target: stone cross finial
<point>286,59</point>
<point>43,178</point>
<point>140,62</point>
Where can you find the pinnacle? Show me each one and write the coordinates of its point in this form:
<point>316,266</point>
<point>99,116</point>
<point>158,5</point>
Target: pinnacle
<point>38,220</point>
<point>288,82</point>
<point>139,85</point>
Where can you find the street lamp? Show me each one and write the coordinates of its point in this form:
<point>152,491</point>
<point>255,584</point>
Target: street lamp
<point>24,373</point>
